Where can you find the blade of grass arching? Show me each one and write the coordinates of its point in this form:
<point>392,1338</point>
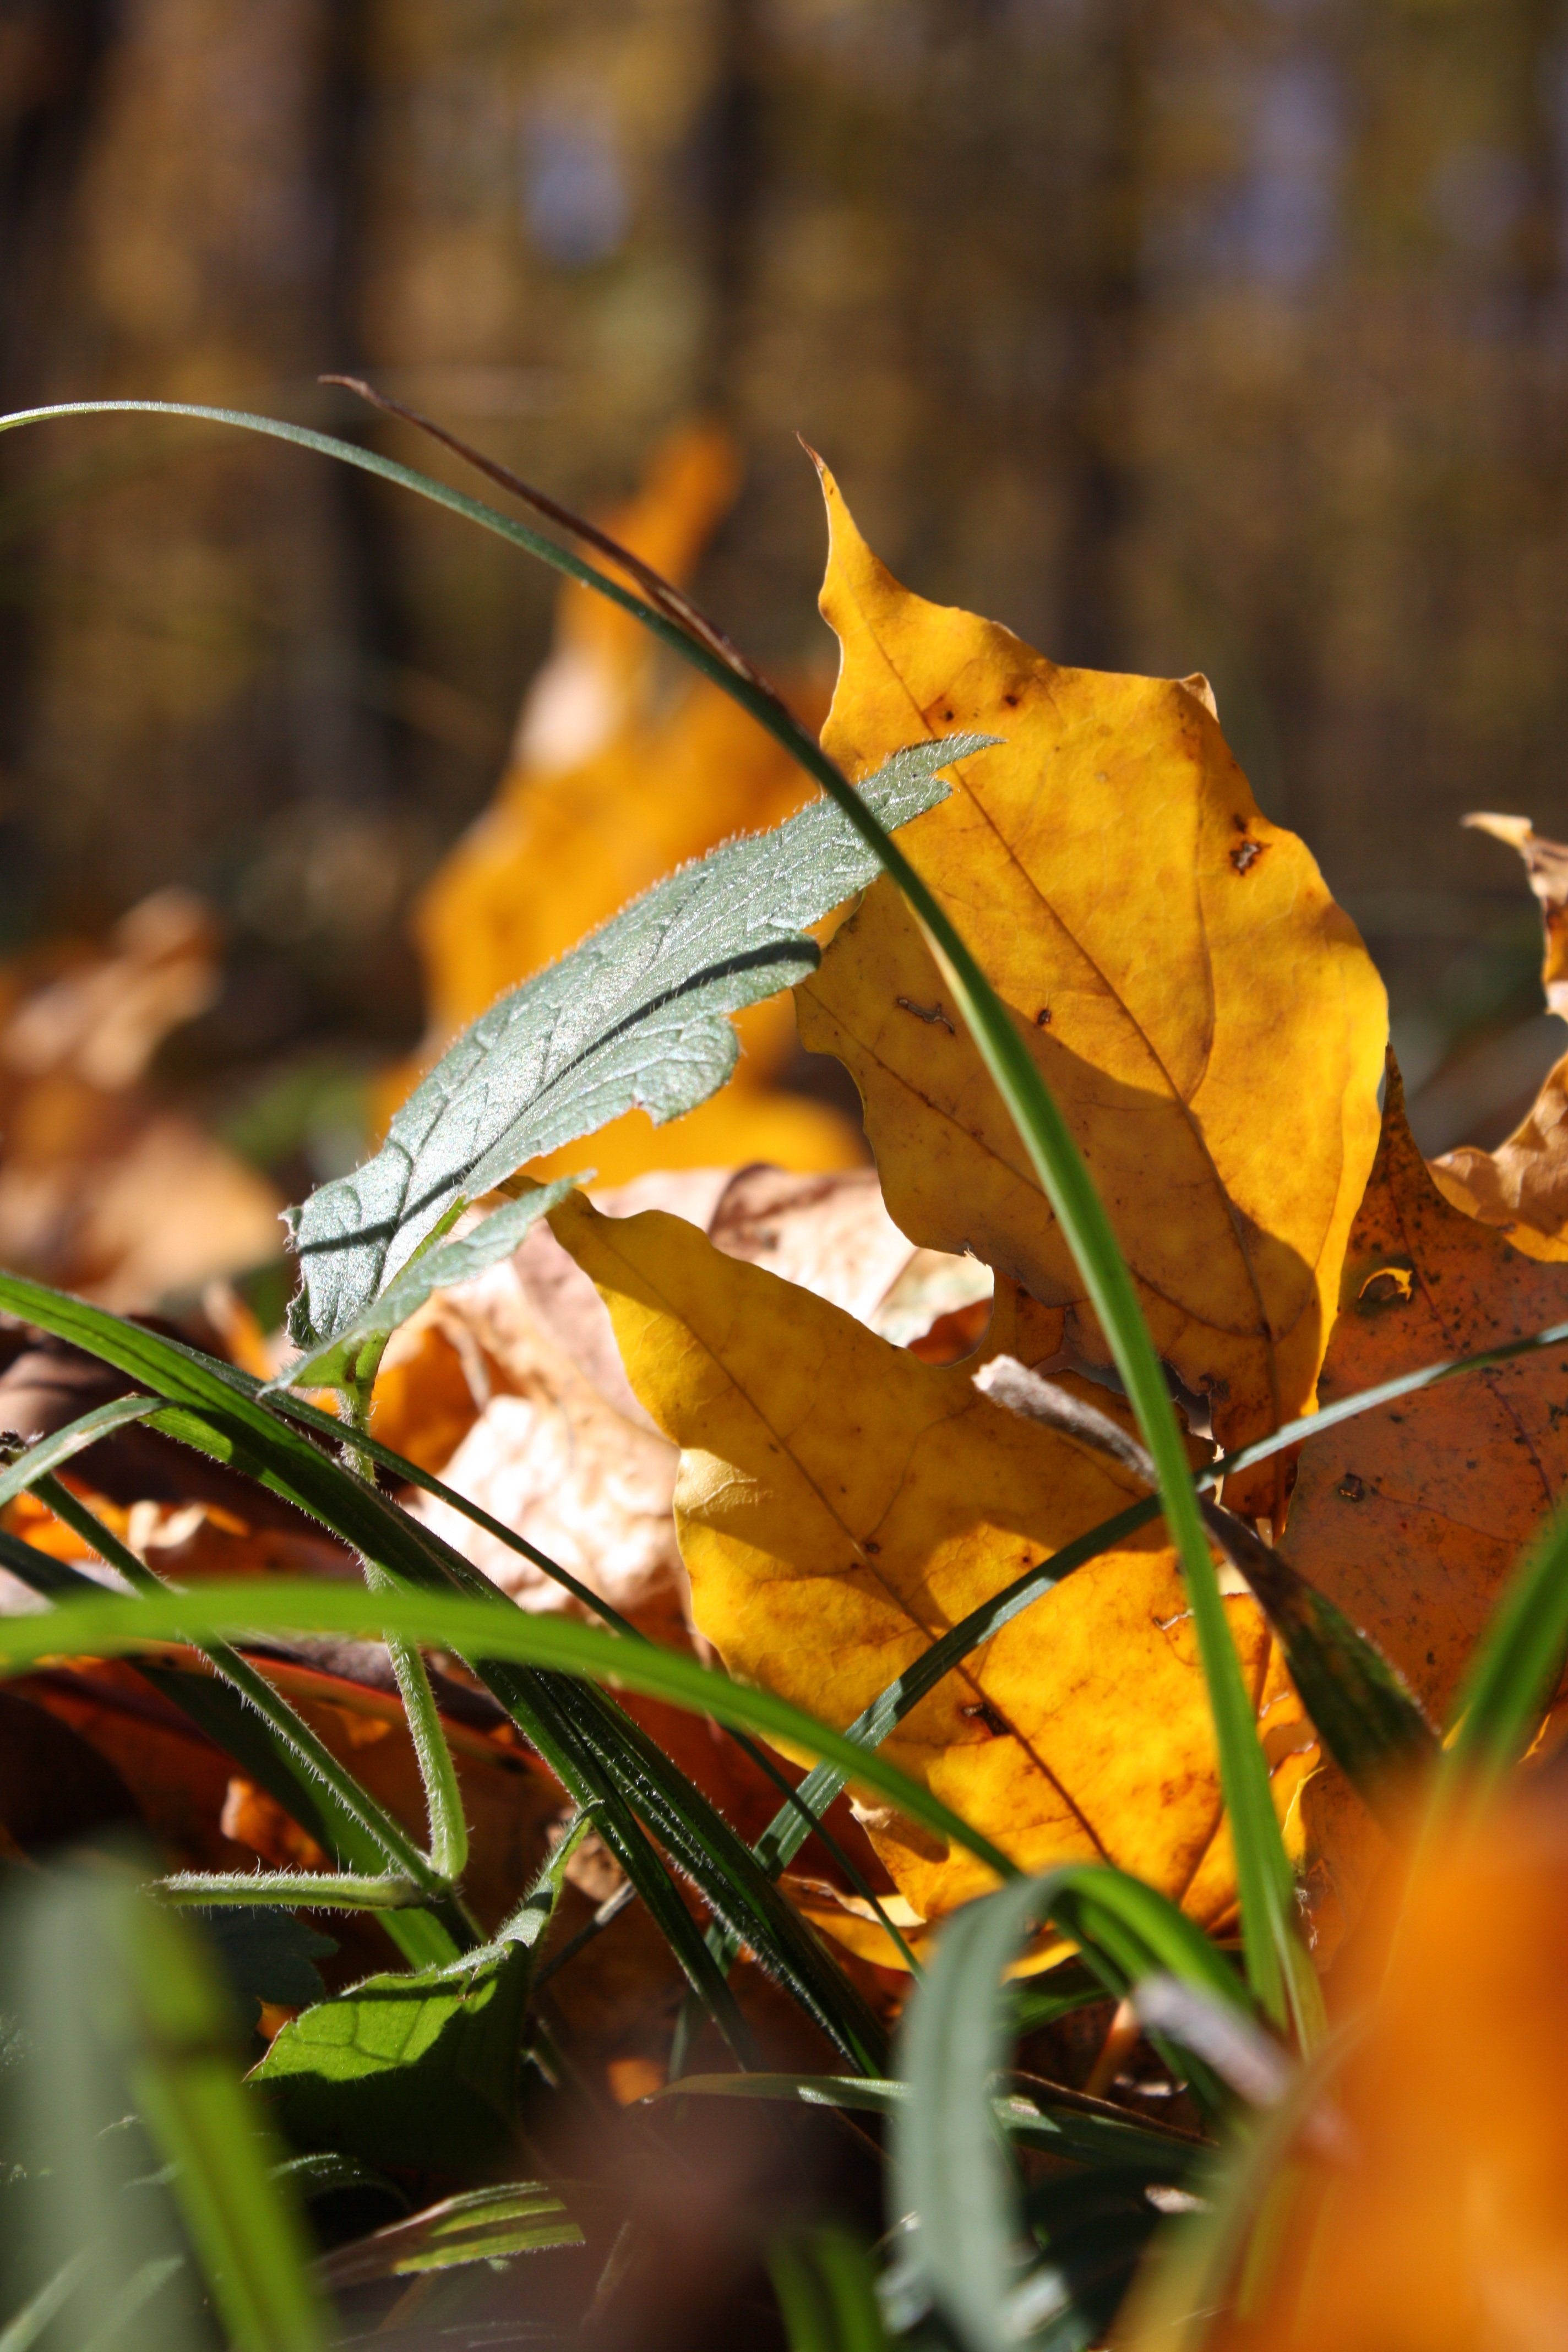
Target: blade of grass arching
<point>110,1624</point>
<point>62,1445</point>
<point>1513,1672</point>
<point>948,2168</point>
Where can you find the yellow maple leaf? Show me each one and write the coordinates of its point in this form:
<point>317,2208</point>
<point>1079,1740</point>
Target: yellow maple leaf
<point>840,1504</point>
<point>1204,1013</point>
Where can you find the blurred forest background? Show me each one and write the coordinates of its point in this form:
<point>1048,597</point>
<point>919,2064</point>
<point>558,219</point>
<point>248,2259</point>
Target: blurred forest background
<point>1227,335</point>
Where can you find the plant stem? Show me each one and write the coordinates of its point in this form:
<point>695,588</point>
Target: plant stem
<point>341,1789</point>
<point>300,1889</point>
<point>437,1770</point>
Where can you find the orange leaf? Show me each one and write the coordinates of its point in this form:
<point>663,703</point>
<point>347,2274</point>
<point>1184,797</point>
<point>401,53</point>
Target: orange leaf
<point>1439,2226</point>
<point>1412,1516</point>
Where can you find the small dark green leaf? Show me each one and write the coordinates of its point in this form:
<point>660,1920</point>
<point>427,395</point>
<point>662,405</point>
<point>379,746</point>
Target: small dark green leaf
<point>267,1953</point>
<point>486,2225</point>
<point>419,2070</point>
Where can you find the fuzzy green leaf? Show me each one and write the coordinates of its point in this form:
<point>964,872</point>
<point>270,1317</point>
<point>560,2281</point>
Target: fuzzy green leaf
<point>340,1360</point>
<point>419,2070</point>
<point>636,1017</point>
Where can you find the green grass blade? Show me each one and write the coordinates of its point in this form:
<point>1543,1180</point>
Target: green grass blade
<point>826,2290</point>
<point>1514,1670</point>
<point>113,1624</point>
<point>61,1444</point>
<point>602,1759</point>
<point>948,2163</point>
<point>125,2010</point>
<point>1077,2129</point>
<point>246,2235</point>
<point>520,2217</point>
<point>23,2331</point>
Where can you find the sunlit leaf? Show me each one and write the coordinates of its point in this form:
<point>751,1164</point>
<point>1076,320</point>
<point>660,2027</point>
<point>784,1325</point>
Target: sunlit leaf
<point>637,1015</point>
<point>1204,1014</point>
<point>1410,1516</point>
<point>841,1503</point>
<point>341,1360</point>
<point>421,2069</point>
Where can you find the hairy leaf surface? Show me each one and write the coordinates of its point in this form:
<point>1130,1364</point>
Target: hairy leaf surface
<point>637,1017</point>
<point>339,1359</point>
<point>420,2069</point>
<point>1204,1013</point>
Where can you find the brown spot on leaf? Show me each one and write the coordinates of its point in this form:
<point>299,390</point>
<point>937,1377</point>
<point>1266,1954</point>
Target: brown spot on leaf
<point>1389,1285</point>
<point>1246,854</point>
<point>982,1711</point>
<point>1353,1489</point>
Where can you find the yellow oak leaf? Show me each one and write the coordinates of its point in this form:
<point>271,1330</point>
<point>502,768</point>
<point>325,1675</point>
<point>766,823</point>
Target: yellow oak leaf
<point>839,1503</point>
<point>1204,1013</point>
